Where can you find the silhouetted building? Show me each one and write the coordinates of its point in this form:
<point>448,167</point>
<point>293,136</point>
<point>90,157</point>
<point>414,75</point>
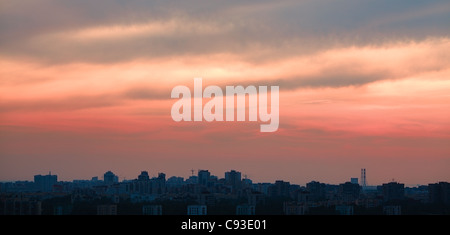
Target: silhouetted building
<point>349,192</point>
<point>262,187</point>
<point>279,189</point>
<point>392,210</point>
<point>19,186</point>
<point>192,179</point>
<point>62,210</point>
<point>369,202</point>
<point>247,183</point>
<point>245,209</point>
<point>255,198</point>
<point>419,193</point>
<point>344,210</point>
<point>110,178</point>
<point>393,191</point>
<point>107,210</point>
<point>206,198</point>
<point>159,184</point>
<point>141,185</point>
<point>233,178</point>
<point>304,197</point>
<point>439,193</point>
<point>203,177</point>
<point>317,190</point>
<point>354,180</point>
<point>152,210</point>
<point>174,182</point>
<point>294,208</point>
<point>44,183</point>
<point>144,185</point>
<point>19,205</point>
<point>162,177</point>
<point>196,210</point>
<point>144,176</point>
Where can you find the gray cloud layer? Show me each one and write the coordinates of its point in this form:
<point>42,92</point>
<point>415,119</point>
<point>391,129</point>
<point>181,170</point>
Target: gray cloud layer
<point>244,27</point>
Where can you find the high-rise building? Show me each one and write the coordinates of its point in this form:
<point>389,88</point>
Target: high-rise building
<point>162,177</point>
<point>317,190</point>
<point>349,192</point>
<point>439,193</point>
<point>393,191</point>
<point>354,180</point>
<point>174,182</point>
<point>159,184</point>
<point>203,177</point>
<point>233,178</point>
<point>110,178</point>
<point>144,176</point>
<point>144,185</point>
<point>44,183</point>
<point>279,189</point>
<point>193,179</point>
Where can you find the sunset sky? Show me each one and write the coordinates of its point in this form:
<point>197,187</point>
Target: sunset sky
<point>85,88</point>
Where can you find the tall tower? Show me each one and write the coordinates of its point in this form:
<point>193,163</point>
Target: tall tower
<point>363,177</point>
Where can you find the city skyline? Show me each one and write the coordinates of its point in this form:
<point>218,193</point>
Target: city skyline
<point>223,175</point>
<point>204,194</point>
<point>86,87</point>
